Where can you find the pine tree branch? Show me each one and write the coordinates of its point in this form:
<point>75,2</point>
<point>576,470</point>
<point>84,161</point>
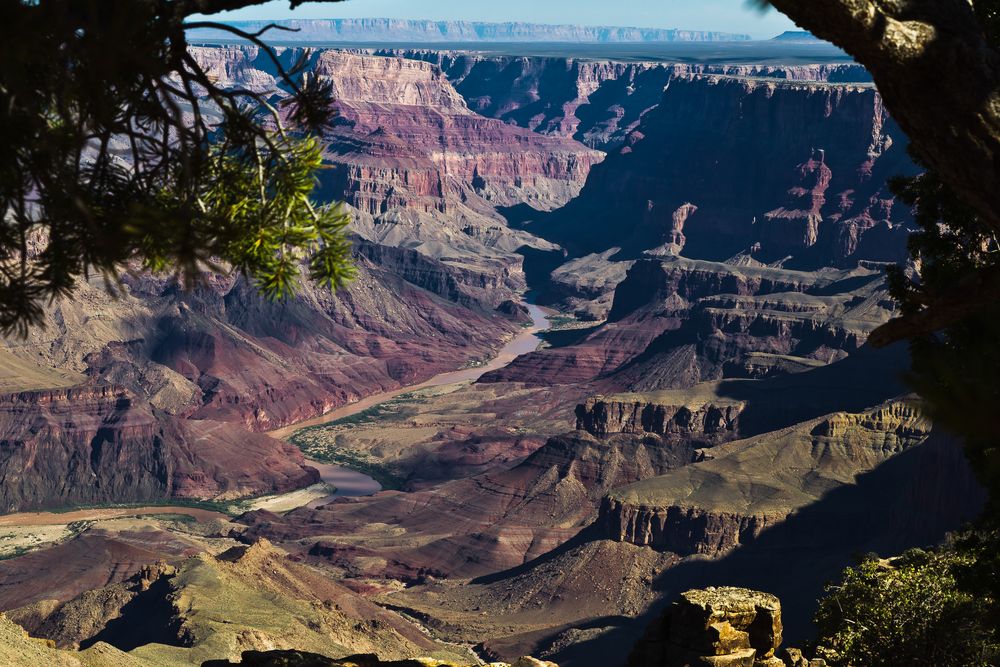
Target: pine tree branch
<point>978,291</point>
<point>183,8</point>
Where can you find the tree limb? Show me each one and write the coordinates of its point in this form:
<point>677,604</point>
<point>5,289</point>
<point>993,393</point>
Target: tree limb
<point>183,8</point>
<point>978,291</point>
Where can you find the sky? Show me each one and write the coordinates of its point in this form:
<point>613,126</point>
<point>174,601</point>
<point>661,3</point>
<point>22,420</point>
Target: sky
<point>723,15</point>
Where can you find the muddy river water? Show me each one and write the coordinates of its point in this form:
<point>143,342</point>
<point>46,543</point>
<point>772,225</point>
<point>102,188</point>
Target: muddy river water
<point>346,481</point>
<point>353,483</point>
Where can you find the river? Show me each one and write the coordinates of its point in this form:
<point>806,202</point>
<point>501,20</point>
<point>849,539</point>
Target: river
<point>346,481</point>
<point>350,482</point>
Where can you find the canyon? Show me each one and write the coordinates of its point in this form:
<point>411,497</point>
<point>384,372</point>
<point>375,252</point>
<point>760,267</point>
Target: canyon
<point>710,242</point>
<point>394,30</point>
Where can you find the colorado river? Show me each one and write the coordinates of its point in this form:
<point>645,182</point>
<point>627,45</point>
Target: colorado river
<point>353,483</point>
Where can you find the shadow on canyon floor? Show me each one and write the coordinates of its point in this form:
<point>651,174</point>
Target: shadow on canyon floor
<point>911,500</point>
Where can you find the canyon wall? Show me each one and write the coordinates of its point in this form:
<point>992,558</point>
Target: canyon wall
<point>416,166</point>
<point>596,102</point>
<point>787,171</point>
<point>699,509</point>
<point>602,416</point>
<point>675,322</point>
<point>408,30</point>
<point>89,445</point>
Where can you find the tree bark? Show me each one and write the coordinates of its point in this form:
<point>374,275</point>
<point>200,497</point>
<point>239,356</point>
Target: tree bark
<point>938,74</point>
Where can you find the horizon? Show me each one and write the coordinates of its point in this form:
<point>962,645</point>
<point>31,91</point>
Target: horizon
<point>728,16</point>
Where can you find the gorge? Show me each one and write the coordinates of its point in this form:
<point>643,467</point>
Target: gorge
<point>708,241</point>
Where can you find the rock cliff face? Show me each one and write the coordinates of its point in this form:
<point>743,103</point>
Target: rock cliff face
<point>601,416</point>
<point>596,102</point>
<point>421,168</point>
<point>698,508</point>
<point>89,445</point>
<point>774,168</point>
<point>675,322</point>
<point>406,30</point>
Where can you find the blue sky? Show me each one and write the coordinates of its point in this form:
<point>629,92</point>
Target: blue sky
<point>725,15</point>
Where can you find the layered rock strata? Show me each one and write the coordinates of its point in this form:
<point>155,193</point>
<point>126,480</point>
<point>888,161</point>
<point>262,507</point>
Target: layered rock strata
<point>602,416</point>
<point>713,506</point>
<point>714,627</point>
<point>88,445</point>
<point>596,102</point>
<point>774,168</point>
<point>675,322</point>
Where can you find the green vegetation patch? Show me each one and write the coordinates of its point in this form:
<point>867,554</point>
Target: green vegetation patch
<point>923,608</point>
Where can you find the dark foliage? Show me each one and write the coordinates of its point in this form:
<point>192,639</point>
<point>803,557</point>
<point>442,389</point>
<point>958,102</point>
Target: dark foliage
<point>910,610</point>
<point>117,150</point>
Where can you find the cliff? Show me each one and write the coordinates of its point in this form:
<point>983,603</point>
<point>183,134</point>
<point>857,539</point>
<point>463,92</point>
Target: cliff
<point>407,30</point>
<point>742,487</point>
<point>675,322</point>
<point>597,102</point>
<point>417,164</point>
<point>90,445</point>
<point>602,416</point>
<point>774,168</point>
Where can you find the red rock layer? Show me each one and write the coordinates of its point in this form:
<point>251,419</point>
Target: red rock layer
<point>596,102</point>
<point>92,445</point>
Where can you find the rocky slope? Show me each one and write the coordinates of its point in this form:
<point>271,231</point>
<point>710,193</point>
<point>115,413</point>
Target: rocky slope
<point>478,525</point>
<point>215,607</point>
<point>406,30</point>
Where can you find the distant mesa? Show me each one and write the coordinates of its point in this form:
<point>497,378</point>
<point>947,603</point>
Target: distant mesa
<point>405,30</point>
<point>796,36</point>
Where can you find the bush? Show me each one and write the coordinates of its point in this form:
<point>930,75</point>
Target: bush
<point>917,609</point>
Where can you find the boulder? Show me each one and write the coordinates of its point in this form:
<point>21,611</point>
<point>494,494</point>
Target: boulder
<point>715,627</point>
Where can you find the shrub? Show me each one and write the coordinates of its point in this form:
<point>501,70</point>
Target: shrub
<point>917,609</point>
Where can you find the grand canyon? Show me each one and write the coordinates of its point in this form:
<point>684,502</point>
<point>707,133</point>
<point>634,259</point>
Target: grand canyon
<point>606,344</point>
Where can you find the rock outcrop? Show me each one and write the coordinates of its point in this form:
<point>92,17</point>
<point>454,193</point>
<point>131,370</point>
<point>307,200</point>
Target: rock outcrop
<point>715,627</point>
<point>743,487</point>
<point>601,416</point>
